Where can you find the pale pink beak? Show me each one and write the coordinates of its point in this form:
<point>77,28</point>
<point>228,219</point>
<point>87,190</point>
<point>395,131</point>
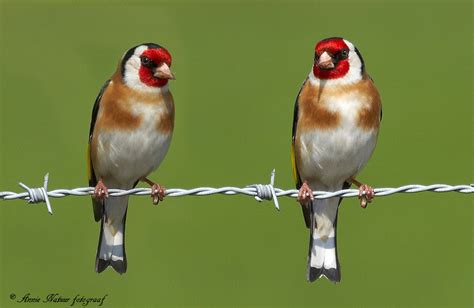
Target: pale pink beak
<point>325,61</point>
<point>163,71</point>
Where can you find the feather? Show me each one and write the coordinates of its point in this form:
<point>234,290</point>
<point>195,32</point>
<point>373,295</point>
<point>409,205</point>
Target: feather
<point>97,205</point>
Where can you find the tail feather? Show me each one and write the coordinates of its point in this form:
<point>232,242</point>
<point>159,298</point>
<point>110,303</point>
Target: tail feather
<point>101,265</point>
<point>314,273</point>
<point>322,255</point>
<point>111,248</point>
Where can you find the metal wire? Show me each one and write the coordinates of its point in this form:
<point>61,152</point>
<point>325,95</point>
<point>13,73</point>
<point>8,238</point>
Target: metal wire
<point>258,191</point>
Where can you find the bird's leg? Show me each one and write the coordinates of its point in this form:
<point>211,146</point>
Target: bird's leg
<point>100,192</point>
<point>366,192</point>
<point>157,192</point>
<point>305,195</point>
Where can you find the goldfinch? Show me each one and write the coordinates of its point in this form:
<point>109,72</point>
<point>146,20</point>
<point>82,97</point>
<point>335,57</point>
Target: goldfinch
<point>335,128</point>
<point>130,133</point>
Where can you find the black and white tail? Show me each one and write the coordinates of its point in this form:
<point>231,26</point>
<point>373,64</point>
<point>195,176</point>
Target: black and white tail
<point>111,248</point>
<point>322,255</point>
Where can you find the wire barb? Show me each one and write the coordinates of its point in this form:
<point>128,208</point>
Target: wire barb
<point>37,195</point>
<point>267,192</point>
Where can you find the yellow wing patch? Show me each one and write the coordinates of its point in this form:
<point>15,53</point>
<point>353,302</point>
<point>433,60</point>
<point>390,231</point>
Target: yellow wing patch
<point>89,173</point>
<point>293,163</point>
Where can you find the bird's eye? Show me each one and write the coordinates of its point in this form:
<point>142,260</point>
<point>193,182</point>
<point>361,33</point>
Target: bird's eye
<point>146,61</point>
<point>344,53</point>
<point>316,57</point>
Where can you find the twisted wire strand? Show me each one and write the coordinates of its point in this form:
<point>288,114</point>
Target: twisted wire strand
<point>259,191</point>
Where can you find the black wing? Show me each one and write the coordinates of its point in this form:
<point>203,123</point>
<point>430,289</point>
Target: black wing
<point>306,210</point>
<point>296,175</point>
<point>97,205</point>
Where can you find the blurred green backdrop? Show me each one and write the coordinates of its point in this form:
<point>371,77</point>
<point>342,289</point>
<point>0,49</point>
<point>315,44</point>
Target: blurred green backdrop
<point>239,66</point>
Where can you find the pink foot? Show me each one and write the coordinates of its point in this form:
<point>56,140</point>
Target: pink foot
<point>305,195</point>
<point>366,194</point>
<point>157,193</point>
<point>101,192</point>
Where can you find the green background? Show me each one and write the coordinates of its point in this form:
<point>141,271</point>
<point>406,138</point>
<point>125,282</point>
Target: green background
<point>239,66</point>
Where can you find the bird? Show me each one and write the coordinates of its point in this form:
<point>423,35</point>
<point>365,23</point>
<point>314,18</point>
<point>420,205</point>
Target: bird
<point>130,133</point>
<point>336,123</point>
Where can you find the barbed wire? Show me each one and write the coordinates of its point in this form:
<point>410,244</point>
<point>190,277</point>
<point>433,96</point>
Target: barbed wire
<point>259,191</point>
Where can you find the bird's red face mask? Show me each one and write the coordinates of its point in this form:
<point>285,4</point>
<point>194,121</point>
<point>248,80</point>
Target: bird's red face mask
<point>155,67</point>
<point>331,59</point>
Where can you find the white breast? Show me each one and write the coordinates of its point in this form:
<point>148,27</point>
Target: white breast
<point>128,155</point>
<point>330,157</point>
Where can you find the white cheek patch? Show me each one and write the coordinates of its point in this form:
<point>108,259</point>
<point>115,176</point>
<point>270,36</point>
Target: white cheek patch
<point>355,63</point>
<point>131,73</point>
